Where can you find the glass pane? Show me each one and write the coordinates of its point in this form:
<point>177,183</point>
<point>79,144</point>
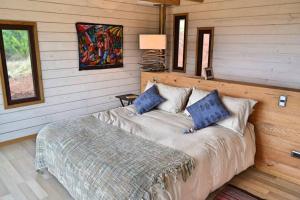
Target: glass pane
<point>205,54</point>
<point>181,43</point>
<point>18,62</point>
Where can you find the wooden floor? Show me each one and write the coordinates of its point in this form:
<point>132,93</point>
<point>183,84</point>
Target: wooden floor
<point>19,181</point>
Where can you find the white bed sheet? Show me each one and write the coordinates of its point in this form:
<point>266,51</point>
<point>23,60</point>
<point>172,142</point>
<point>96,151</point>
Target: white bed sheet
<point>219,152</point>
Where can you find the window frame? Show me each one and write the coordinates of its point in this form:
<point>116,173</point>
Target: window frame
<point>177,18</point>
<point>8,102</point>
<point>199,66</point>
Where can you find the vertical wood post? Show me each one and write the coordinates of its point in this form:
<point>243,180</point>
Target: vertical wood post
<point>162,18</point>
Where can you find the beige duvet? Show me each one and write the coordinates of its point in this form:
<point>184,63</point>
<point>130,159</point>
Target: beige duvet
<point>219,152</point>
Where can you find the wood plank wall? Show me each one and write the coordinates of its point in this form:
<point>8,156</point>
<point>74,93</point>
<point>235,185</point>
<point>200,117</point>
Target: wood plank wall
<point>277,129</point>
<point>255,41</point>
<point>69,92</point>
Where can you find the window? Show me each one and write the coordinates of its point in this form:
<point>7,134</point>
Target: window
<point>20,64</point>
<point>180,35</point>
<point>204,50</point>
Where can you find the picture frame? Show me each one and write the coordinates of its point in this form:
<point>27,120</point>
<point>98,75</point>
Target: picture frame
<point>100,46</point>
<point>209,75</point>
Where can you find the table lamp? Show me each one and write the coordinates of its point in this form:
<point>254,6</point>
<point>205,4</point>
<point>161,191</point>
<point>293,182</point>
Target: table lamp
<point>153,58</point>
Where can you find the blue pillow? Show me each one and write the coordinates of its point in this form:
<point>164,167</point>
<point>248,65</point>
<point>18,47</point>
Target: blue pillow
<point>208,110</point>
<point>148,100</point>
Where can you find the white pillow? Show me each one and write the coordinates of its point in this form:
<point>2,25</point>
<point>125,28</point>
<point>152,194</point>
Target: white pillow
<point>176,97</point>
<point>195,96</point>
<point>239,108</point>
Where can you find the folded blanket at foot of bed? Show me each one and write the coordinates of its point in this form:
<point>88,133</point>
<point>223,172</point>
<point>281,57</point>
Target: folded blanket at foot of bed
<point>94,160</point>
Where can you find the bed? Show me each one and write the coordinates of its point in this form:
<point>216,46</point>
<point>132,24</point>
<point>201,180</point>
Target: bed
<point>174,143</point>
<point>219,152</point>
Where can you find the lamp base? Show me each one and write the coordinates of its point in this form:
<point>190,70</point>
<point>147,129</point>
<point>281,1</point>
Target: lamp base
<point>154,69</point>
<point>154,60</point>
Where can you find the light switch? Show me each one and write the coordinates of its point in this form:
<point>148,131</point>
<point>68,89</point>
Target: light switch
<point>282,101</point>
<point>295,154</point>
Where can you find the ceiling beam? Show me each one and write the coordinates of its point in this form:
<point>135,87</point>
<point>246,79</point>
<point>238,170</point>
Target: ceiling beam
<point>166,2</point>
<point>200,1</point>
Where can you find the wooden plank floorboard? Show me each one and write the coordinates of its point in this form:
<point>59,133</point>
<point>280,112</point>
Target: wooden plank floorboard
<point>19,181</point>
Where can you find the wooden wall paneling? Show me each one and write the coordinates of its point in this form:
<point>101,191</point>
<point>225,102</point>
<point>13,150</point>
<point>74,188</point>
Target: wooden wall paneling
<point>277,129</point>
<point>85,101</point>
<point>256,41</point>
<point>68,92</point>
<point>60,106</point>
<point>37,6</point>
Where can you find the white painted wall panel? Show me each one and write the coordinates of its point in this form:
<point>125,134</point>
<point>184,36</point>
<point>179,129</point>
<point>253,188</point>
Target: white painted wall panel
<point>255,41</point>
<point>68,91</point>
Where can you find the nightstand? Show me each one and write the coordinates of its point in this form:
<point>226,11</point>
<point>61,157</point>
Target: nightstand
<point>127,97</point>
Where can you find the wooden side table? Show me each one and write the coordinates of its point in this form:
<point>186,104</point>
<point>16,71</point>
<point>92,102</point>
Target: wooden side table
<point>127,97</point>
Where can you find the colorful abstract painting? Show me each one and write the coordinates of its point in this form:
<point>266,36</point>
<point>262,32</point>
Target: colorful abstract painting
<point>100,46</point>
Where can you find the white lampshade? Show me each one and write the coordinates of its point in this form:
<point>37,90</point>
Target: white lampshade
<point>151,41</point>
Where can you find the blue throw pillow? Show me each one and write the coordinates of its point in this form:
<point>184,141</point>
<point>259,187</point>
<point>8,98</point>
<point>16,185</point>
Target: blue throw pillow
<point>148,100</point>
<point>208,110</point>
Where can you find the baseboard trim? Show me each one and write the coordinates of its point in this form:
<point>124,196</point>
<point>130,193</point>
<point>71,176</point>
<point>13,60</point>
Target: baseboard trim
<point>32,136</point>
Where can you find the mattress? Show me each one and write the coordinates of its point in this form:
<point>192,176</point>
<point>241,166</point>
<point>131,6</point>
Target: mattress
<point>219,152</point>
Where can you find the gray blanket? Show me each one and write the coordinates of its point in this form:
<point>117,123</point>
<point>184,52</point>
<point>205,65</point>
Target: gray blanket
<point>94,160</point>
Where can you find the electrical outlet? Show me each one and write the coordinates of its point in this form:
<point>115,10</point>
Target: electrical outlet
<point>282,101</point>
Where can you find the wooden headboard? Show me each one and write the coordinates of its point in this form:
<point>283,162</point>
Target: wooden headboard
<point>277,128</point>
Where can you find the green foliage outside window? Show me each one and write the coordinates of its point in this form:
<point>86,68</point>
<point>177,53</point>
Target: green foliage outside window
<point>17,52</point>
<point>16,44</point>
